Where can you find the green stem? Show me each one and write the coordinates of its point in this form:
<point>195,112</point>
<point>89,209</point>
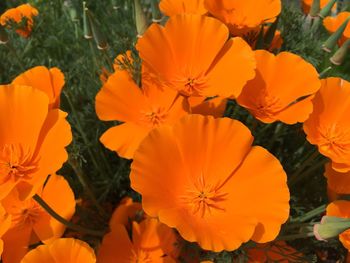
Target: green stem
<point>324,72</point>
<point>296,236</point>
<point>309,215</point>
<point>68,224</point>
<point>295,177</point>
<point>84,182</point>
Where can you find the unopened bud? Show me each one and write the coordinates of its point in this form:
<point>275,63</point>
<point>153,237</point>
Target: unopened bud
<point>315,8</point>
<point>96,32</point>
<point>140,18</point>
<point>4,39</point>
<point>339,56</point>
<point>330,227</point>
<point>332,41</point>
<point>327,9</point>
<point>156,14</point>
<point>87,26</point>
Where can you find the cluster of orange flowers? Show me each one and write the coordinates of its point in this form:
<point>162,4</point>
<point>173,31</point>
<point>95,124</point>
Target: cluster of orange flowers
<point>198,173</point>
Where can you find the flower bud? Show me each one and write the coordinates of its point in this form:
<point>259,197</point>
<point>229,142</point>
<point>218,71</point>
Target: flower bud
<point>156,14</point>
<point>3,36</point>
<point>140,18</point>
<point>96,32</point>
<point>327,9</point>
<point>87,26</point>
<point>339,56</point>
<point>330,227</point>
<point>315,8</point>
<point>333,39</point>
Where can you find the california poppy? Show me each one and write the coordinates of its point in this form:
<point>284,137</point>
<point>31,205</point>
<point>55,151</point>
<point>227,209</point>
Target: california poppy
<point>210,183</point>
<point>306,5</point>
<point>341,209</point>
<point>22,16</point>
<point>50,81</point>
<point>332,23</point>
<point>278,251</point>
<point>32,139</point>
<point>337,182</point>
<point>175,7</point>
<point>191,55</point>
<point>5,224</point>
<point>140,109</point>
<point>282,89</point>
<point>67,250</point>
<point>31,223</point>
<point>328,125</point>
<point>151,241</point>
<point>244,16</point>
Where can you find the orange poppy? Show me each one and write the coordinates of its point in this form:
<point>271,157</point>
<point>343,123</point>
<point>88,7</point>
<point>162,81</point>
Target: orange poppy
<point>215,187</point>
<point>213,106</point>
<point>67,250</point>
<point>306,5</point>
<point>50,81</point>
<point>244,16</point>
<point>5,224</point>
<point>337,182</point>
<point>151,241</point>
<point>126,212</point>
<point>282,89</point>
<point>176,7</point>
<point>332,23</point>
<point>140,109</point>
<point>32,139</point>
<point>278,251</point>
<point>328,125</point>
<point>341,209</point>
<point>22,16</point>
<point>191,54</point>
<point>31,223</point>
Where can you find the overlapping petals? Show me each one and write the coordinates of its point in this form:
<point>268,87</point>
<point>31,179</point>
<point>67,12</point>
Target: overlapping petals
<point>67,250</point>
<point>244,16</point>
<point>332,23</point>
<point>32,139</point>
<point>282,89</point>
<point>209,177</point>
<point>140,109</point>
<point>185,56</point>
<point>328,125</point>
<point>176,7</point>
<point>31,223</point>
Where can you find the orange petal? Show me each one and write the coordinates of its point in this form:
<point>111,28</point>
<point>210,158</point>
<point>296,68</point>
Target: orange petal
<point>120,99</point>
<point>125,212</point>
<point>124,138</point>
<point>337,182</point>
<point>175,7</point>
<point>214,107</point>
<point>50,81</point>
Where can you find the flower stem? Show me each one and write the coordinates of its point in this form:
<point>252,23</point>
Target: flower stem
<point>296,236</point>
<point>68,224</point>
<point>309,215</point>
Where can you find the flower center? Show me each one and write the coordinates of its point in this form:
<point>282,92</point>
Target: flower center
<point>204,199</point>
<point>16,163</point>
<point>190,87</point>
<point>269,106</point>
<point>155,117</point>
<point>27,215</point>
<point>335,138</point>
<point>141,256</point>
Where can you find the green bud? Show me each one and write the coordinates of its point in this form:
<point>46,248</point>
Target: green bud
<point>140,18</point>
<point>327,9</point>
<point>330,227</point>
<point>315,8</point>
<point>96,32</point>
<point>339,56</point>
<point>332,41</point>
<point>156,14</point>
<point>87,26</point>
<point>4,39</point>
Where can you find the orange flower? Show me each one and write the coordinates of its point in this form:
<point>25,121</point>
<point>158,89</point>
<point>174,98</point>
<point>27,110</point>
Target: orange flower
<point>141,110</point>
<point>22,16</point>
<point>67,250</point>
<point>278,251</point>
<point>176,7</point>
<point>337,182</point>
<point>214,106</point>
<point>244,16</point>
<point>215,187</point>
<point>31,223</point>
<point>333,23</point>
<point>281,89</point>
<point>5,224</point>
<point>191,54</point>
<point>341,209</point>
<point>151,242</point>
<point>125,212</point>
<point>328,125</point>
<point>306,5</point>
<point>32,139</point>
<point>50,81</point>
